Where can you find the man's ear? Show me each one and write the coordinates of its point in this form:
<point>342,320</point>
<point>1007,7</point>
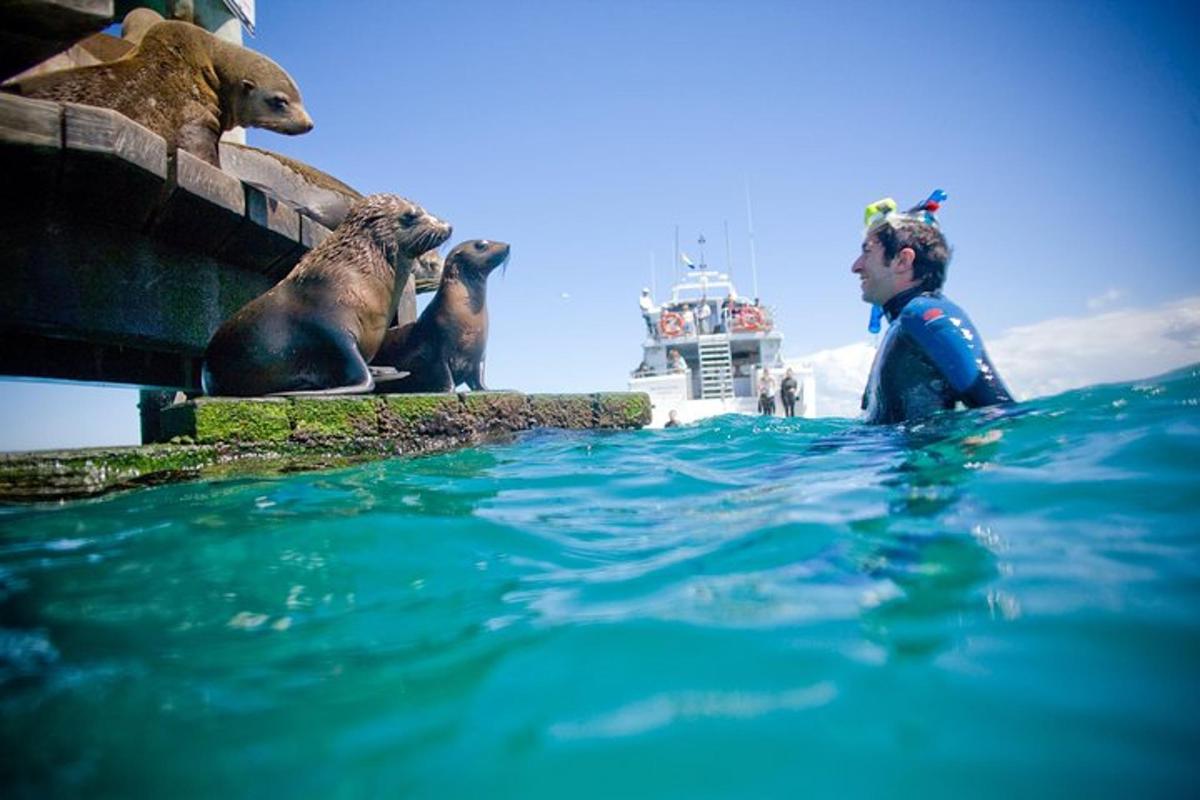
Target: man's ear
<point>902,264</point>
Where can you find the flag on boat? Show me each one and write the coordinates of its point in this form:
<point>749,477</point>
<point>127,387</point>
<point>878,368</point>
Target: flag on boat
<point>684,258</point>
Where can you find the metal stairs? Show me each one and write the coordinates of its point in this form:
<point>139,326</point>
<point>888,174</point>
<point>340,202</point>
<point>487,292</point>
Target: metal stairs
<point>716,367</point>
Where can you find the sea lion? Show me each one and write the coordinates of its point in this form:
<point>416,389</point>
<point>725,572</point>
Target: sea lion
<point>445,346</point>
<point>315,331</point>
<point>138,22</point>
<point>187,86</point>
<point>427,272</point>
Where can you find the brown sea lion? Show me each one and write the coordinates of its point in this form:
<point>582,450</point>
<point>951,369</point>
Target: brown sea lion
<point>315,331</point>
<point>187,86</point>
<point>137,24</point>
<point>445,346</point>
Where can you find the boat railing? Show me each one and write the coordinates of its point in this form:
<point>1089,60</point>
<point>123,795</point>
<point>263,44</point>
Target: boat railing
<point>681,324</point>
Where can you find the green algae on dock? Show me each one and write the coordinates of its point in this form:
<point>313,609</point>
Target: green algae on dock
<point>215,437</point>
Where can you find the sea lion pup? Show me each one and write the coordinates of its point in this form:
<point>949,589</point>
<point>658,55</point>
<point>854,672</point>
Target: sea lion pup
<point>315,331</point>
<point>445,346</point>
<point>187,86</point>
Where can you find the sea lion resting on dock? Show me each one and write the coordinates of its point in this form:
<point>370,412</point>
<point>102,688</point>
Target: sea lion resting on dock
<point>315,331</point>
<point>187,86</point>
<point>445,346</point>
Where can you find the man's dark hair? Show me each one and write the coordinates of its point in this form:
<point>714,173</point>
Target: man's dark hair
<point>926,241</point>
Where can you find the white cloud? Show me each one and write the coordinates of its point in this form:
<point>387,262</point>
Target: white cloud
<point>1104,300</point>
<point>1046,357</point>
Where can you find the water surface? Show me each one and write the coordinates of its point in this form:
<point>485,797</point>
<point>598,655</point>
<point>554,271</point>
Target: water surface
<point>984,605</point>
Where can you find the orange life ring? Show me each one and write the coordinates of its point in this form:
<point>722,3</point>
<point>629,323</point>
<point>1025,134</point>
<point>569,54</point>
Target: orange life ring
<point>751,318</point>
<point>670,324</point>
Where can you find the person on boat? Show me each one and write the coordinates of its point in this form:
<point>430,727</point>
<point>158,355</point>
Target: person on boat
<point>689,320</point>
<point>788,390</point>
<point>704,317</point>
<point>931,356</point>
<point>766,394</point>
<point>648,310</point>
<point>675,362</point>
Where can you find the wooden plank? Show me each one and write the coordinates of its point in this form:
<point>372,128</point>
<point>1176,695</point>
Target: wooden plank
<point>268,240</point>
<point>114,170</point>
<point>28,122</point>
<point>312,233</point>
<point>33,30</point>
<point>204,205</point>
<point>30,156</point>
<point>110,133</point>
<point>306,189</point>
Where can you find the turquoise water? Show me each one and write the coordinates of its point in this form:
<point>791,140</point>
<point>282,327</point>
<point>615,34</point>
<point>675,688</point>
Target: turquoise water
<point>980,606</point>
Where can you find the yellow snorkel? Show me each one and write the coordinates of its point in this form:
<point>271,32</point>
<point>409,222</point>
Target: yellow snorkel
<point>874,214</point>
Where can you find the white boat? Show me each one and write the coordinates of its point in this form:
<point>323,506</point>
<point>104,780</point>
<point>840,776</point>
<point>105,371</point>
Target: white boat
<point>724,355</point>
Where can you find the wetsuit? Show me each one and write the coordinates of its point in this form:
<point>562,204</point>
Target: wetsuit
<point>787,393</point>
<point>930,359</point>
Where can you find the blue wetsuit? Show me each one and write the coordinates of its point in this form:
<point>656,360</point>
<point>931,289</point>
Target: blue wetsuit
<point>931,358</point>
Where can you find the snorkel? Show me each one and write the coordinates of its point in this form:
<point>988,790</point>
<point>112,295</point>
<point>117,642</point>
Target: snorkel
<point>882,211</point>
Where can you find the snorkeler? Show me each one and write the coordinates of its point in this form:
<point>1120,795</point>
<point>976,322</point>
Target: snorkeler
<point>931,357</point>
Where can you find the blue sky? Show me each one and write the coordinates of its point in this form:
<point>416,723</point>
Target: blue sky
<point>1066,135</point>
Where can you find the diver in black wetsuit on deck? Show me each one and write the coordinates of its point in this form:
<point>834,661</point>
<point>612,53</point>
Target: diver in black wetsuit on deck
<point>931,357</point>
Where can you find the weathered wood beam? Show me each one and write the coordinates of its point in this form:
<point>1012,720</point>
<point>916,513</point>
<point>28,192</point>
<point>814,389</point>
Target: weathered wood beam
<point>33,30</point>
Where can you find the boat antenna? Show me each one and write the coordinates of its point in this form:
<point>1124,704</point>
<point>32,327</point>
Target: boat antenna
<point>750,228</point>
<point>701,242</point>
<point>728,252</point>
<point>675,260</point>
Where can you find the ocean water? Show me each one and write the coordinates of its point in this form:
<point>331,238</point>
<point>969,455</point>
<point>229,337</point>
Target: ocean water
<point>985,605</point>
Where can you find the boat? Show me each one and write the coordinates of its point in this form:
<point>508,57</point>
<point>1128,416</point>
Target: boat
<point>723,354</point>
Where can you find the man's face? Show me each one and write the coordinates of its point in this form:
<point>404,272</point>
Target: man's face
<point>876,275</point>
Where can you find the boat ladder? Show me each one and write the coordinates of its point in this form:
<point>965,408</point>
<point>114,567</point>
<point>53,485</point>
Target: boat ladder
<point>716,367</point>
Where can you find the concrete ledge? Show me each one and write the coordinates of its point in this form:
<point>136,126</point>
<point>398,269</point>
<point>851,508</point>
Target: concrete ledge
<point>217,437</point>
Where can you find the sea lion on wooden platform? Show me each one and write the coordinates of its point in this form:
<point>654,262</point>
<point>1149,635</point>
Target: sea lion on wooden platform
<point>445,346</point>
<point>315,331</point>
<point>187,86</point>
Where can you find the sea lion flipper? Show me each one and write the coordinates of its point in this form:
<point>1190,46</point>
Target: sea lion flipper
<point>475,378</point>
<point>388,380</point>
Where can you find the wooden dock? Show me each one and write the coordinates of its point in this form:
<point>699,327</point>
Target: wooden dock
<point>121,258</point>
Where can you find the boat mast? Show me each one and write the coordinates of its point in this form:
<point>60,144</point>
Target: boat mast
<point>750,228</point>
<point>675,260</point>
<point>728,252</point>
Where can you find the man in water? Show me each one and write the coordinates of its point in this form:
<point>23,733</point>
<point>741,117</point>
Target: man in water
<point>931,357</point>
